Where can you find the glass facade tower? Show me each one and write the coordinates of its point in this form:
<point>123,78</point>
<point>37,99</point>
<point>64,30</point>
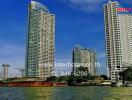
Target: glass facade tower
<point>40,41</point>
<point>83,57</point>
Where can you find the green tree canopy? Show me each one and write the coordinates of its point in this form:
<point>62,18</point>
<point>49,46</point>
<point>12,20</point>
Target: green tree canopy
<point>126,74</point>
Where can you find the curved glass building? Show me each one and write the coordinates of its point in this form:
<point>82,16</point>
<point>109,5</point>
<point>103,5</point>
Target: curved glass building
<point>39,6</point>
<point>40,41</point>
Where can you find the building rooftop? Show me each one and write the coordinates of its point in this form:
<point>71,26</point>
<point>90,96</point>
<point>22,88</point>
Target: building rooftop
<point>78,47</point>
<point>5,65</point>
<point>39,6</point>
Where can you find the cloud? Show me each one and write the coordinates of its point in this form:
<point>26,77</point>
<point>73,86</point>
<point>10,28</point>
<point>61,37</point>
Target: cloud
<point>90,6</point>
<point>102,55</point>
<point>86,5</point>
<point>79,2</point>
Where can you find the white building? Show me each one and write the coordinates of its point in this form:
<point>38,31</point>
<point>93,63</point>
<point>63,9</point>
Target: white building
<point>118,29</point>
<point>5,71</point>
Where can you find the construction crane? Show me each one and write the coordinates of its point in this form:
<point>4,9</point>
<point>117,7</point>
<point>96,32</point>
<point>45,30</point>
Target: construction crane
<point>22,70</point>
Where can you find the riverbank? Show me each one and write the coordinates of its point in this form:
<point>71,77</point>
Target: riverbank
<point>31,84</point>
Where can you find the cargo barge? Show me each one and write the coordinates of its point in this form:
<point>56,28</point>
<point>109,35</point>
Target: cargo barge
<point>31,84</point>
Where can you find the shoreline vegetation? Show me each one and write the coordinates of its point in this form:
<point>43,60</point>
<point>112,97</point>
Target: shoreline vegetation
<point>61,81</point>
<point>72,80</point>
<point>58,81</point>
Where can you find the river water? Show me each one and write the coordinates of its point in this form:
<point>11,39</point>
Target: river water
<point>65,93</point>
<point>55,93</point>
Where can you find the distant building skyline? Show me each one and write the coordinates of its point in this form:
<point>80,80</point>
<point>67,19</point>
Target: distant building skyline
<point>40,41</point>
<point>118,34</point>
<point>84,57</point>
<point>5,71</point>
<point>73,26</point>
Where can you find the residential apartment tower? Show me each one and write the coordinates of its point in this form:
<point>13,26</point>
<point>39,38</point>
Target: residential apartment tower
<point>118,33</point>
<point>83,57</point>
<point>40,41</point>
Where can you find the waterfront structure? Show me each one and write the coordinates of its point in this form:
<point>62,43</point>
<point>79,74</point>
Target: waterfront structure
<point>5,71</point>
<point>40,41</point>
<point>118,34</point>
<point>22,71</point>
<point>83,57</point>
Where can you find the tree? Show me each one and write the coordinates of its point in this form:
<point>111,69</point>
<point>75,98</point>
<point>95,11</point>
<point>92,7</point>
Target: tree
<point>126,75</point>
<point>52,79</point>
<point>81,71</point>
<point>72,80</point>
<point>81,74</point>
<point>63,78</point>
<point>104,77</point>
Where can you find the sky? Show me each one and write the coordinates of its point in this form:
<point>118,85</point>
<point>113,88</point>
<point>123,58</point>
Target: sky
<point>78,22</point>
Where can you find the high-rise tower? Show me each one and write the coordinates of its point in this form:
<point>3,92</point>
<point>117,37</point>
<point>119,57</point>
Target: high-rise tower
<point>86,58</point>
<point>5,71</point>
<point>40,41</point>
<point>118,29</point>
